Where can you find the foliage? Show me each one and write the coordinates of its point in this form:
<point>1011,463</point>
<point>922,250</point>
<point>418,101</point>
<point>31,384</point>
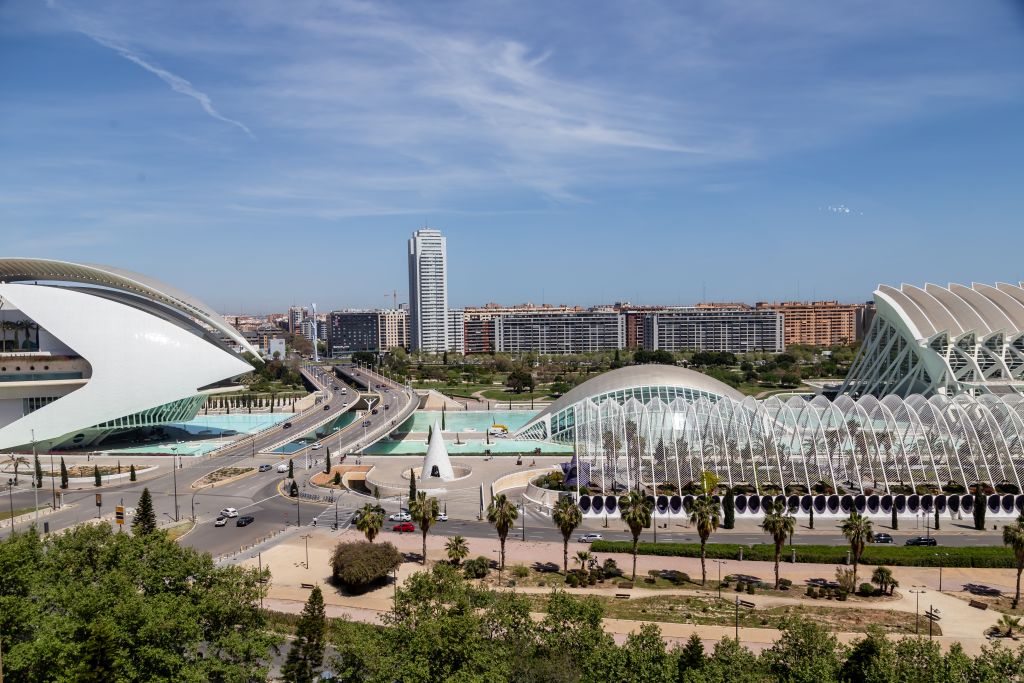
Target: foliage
<point>145,517</point>
<point>97,480</point>
<point>567,516</point>
<point>38,473</point>
<point>780,525</point>
<point>660,357</point>
<point>291,469</point>
<point>1013,537</point>
<point>477,568</point>
<point>882,577</point>
<point>635,510</point>
<point>412,485</point>
<point>502,513</point>
<point>519,380</point>
<point>64,474</point>
<point>457,549</point>
<point>980,505</point>
<point>847,579</point>
<point>306,656</point>
<point>857,530</point>
<point>131,474</point>
<point>91,604</point>
<point>729,510</point>
<point>359,564</point>
<point>424,511</point>
<point>370,521</point>
<point>704,516</point>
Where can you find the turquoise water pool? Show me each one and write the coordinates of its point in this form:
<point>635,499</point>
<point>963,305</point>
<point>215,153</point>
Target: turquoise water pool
<point>185,448</point>
<point>467,421</point>
<point>475,447</point>
<point>220,425</point>
<point>339,423</point>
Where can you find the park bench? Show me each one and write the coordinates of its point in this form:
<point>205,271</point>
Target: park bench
<point>978,604</point>
<point>309,586</point>
<point>623,596</point>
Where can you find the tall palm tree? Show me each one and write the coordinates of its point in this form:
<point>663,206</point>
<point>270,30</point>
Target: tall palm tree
<point>457,549</point>
<point>371,519</point>
<point>16,461</point>
<point>705,515</point>
<point>857,530</point>
<point>502,513</point>
<point>635,511</point>
<point>424,511</point>
<point>780,525</point>
<point>567,516</point>
<point>1013,536</point>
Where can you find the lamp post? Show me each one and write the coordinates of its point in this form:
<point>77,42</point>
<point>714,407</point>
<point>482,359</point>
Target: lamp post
<point>53,483</point>
<point>917,591</point>
<point>306,537</point>
<point>522,505</point>
<point>719,563</point>
<point>940,556</point>
<point>174,471</point>
<point>35,482</point>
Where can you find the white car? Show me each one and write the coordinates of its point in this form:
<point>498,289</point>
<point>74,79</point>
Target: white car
<point>400,517</point>
<point>229,512</point>
<point>220,521</point>
<point>443,517</point>
<point>316,446</point>
<point>589,538</point>
<point>282,467</point>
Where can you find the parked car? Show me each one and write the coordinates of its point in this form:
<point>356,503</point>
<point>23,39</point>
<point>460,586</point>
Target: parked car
<point>327,407</point>
<point>883,538</point>
<point>229,512</point>
<point>374,411</point>
<point>282,467</point>
<point>400,517</point>
<point>245,520</point>
<point>286,425</point>
<point>443,517</point>
<point>404,527</point>
<point>220,521</point>
<point>589,538</point>
<point>921,540</point>
<point>316,446</point>
<point>387,407</point>
<point>265,467</point>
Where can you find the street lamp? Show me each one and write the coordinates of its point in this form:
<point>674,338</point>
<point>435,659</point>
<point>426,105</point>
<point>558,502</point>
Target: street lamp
<point>194,501</point>
<point>306,537</point>
<point>917,591</point>
<point>940,556</point>
<point>174,471</point>
<point>719,563</point>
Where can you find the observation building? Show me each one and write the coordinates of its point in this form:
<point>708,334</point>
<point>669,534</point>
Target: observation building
<point>87,351</point>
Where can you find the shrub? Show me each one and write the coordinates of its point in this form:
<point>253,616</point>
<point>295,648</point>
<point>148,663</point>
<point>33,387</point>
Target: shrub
<point>572,579</point>
<point>611,568</point>
<point>841,596</point>
<point>812,592</point>
<point>846,579</point>
<point>750,588</point>
<point>867,589</point>
<point>337,478</point>
<point>477,568</point>
<point>740,586</point>
<point>359,564</point>
<point>520,572</point>
<point>785,584</point>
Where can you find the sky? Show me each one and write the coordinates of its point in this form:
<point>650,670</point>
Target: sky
<point>261,154</point>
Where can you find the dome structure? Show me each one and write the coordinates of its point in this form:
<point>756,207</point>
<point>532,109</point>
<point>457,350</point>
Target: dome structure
<point>637,382</point>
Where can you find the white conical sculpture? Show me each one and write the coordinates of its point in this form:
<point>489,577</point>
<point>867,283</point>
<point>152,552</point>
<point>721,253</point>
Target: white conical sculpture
<point>437,458</point>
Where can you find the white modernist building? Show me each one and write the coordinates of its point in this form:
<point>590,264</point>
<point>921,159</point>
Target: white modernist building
<point>942,340</point>
<point>428,292</point>
<point>91,350</point>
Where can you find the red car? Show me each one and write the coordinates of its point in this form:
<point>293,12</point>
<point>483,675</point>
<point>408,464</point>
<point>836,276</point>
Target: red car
<point>404,526</point>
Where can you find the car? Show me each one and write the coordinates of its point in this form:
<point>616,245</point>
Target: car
<point>286,425</point>
<point>327,407</point>
<point>220,521</point>
<point>400,517</point>
<point>316,446</point>
<point>404,527</point>
<point>443,517</point>
<point>387,407</point>
<point>282,467</point>
<point>883,538</point>
<point>229,512</point>
<point>245,520</point>
<point>265,467</point>
<point>921,540</point>
<point>589,538</point>
<point>374,411</point>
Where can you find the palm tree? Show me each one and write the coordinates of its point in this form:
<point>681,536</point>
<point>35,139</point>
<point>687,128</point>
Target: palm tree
<point>424,511</point>
<point>567,516</point>
<point>882,577</point>
<point>583,556</point>
<point>16,461</point>
<point>457,549</point>
<point>705,516</point>
<point>1013,536</point>
<point>635,511</point>
<point>371,519</point>
<point>857,530</point>
<point>1009,623</point>
<point>778,524</point>
<point>502,513</point>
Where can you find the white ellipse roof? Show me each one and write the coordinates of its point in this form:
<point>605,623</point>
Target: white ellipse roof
<point>957,309</point>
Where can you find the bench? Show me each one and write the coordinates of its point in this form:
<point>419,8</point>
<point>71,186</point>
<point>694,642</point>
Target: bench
<point>622,596</point>
<point>309,586</point>
<point>978,604</point>
<point>745,603</point>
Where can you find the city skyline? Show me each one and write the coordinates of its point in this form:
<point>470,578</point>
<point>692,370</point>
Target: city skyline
<point>751,152</point>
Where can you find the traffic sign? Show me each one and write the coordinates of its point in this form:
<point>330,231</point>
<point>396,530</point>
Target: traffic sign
<point>99,500</point>
<point>119,514</point>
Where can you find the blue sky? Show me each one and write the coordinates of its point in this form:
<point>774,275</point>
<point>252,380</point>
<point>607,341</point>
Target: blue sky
<point>262,153</point>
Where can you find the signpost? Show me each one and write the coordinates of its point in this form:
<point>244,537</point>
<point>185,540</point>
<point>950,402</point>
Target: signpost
<point>99,504</point>
<point>119,514</point>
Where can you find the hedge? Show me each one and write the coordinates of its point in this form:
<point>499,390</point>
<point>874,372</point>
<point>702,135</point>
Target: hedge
<point>897,556</point>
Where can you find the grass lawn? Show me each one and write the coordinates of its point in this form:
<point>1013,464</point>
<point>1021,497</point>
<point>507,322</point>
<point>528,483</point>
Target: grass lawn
<point>176,531</point>
<point>495,394</point>
<point>6,512</point>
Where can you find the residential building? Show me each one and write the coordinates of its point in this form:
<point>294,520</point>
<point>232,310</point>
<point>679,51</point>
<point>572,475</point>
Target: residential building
<point>372,330</point>
<point>456,331</point>
<point>549,332</point>
<point>817,323</point>
<point>697,328</point>
<point>296,314</point>
<point>479,322</point>
<point>428,292</point>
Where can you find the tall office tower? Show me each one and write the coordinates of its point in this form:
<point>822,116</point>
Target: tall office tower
<point>428,292</point>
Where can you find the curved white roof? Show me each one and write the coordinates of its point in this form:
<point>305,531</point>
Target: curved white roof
<point>957,309</point>
<point>47,270</point>
<point>639,376</point>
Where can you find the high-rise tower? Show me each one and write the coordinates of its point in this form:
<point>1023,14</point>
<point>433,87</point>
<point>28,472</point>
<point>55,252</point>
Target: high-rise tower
<point>428,291</point>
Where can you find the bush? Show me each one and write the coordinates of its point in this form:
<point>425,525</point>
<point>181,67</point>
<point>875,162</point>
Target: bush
<point>359,564</point>
<point>785,584</point>
<point>740,586</point>
<point>572,579</point>
<point>812,592</point>
<point>841,595</point>
<point>478,568</point>
<point>337,478</point>
<point>520,572</point>
<point>611,568</point>
<point>750,588</point>
<point>867,589</point>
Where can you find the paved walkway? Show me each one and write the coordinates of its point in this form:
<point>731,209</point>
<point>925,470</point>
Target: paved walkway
<point>960,622</point>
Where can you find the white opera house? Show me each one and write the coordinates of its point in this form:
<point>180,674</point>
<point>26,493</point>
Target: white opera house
<point>87,351</point>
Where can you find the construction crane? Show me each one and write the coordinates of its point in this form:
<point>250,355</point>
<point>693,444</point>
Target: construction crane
<point>394,298</point>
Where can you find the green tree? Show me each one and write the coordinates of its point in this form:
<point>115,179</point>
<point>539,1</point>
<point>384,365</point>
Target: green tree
<point>293,490</point>
<point>895,519</point>
<point>690,659</point>
<point>502,513</point>
<point>936,518</point>
<point>96,478</point>
<point>1013,536</point>
<point>306,656</point>
<point>131,472</point>
<point>327,461</point>
<point>980,505</point>
<point>457,549</point>
<point>857,530</point>
<point>644,657</point>
<point>370,521</point>
<point>882,577</point>
<point>412,485</point>
<point>635,511</point>
<point>424,511</point>
<point>39,473</point>
<point>729,510</point>
<point>704,515</point>
<point>519,380</point>
<point>63,474</point>
<point>145,517</point>
<point>805,653</point>
<point>780,525</point>
<point>291,469</point>
<point>567,516</point>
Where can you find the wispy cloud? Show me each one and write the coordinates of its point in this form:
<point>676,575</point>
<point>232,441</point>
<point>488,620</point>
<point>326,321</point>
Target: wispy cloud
<point>177,83</point>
